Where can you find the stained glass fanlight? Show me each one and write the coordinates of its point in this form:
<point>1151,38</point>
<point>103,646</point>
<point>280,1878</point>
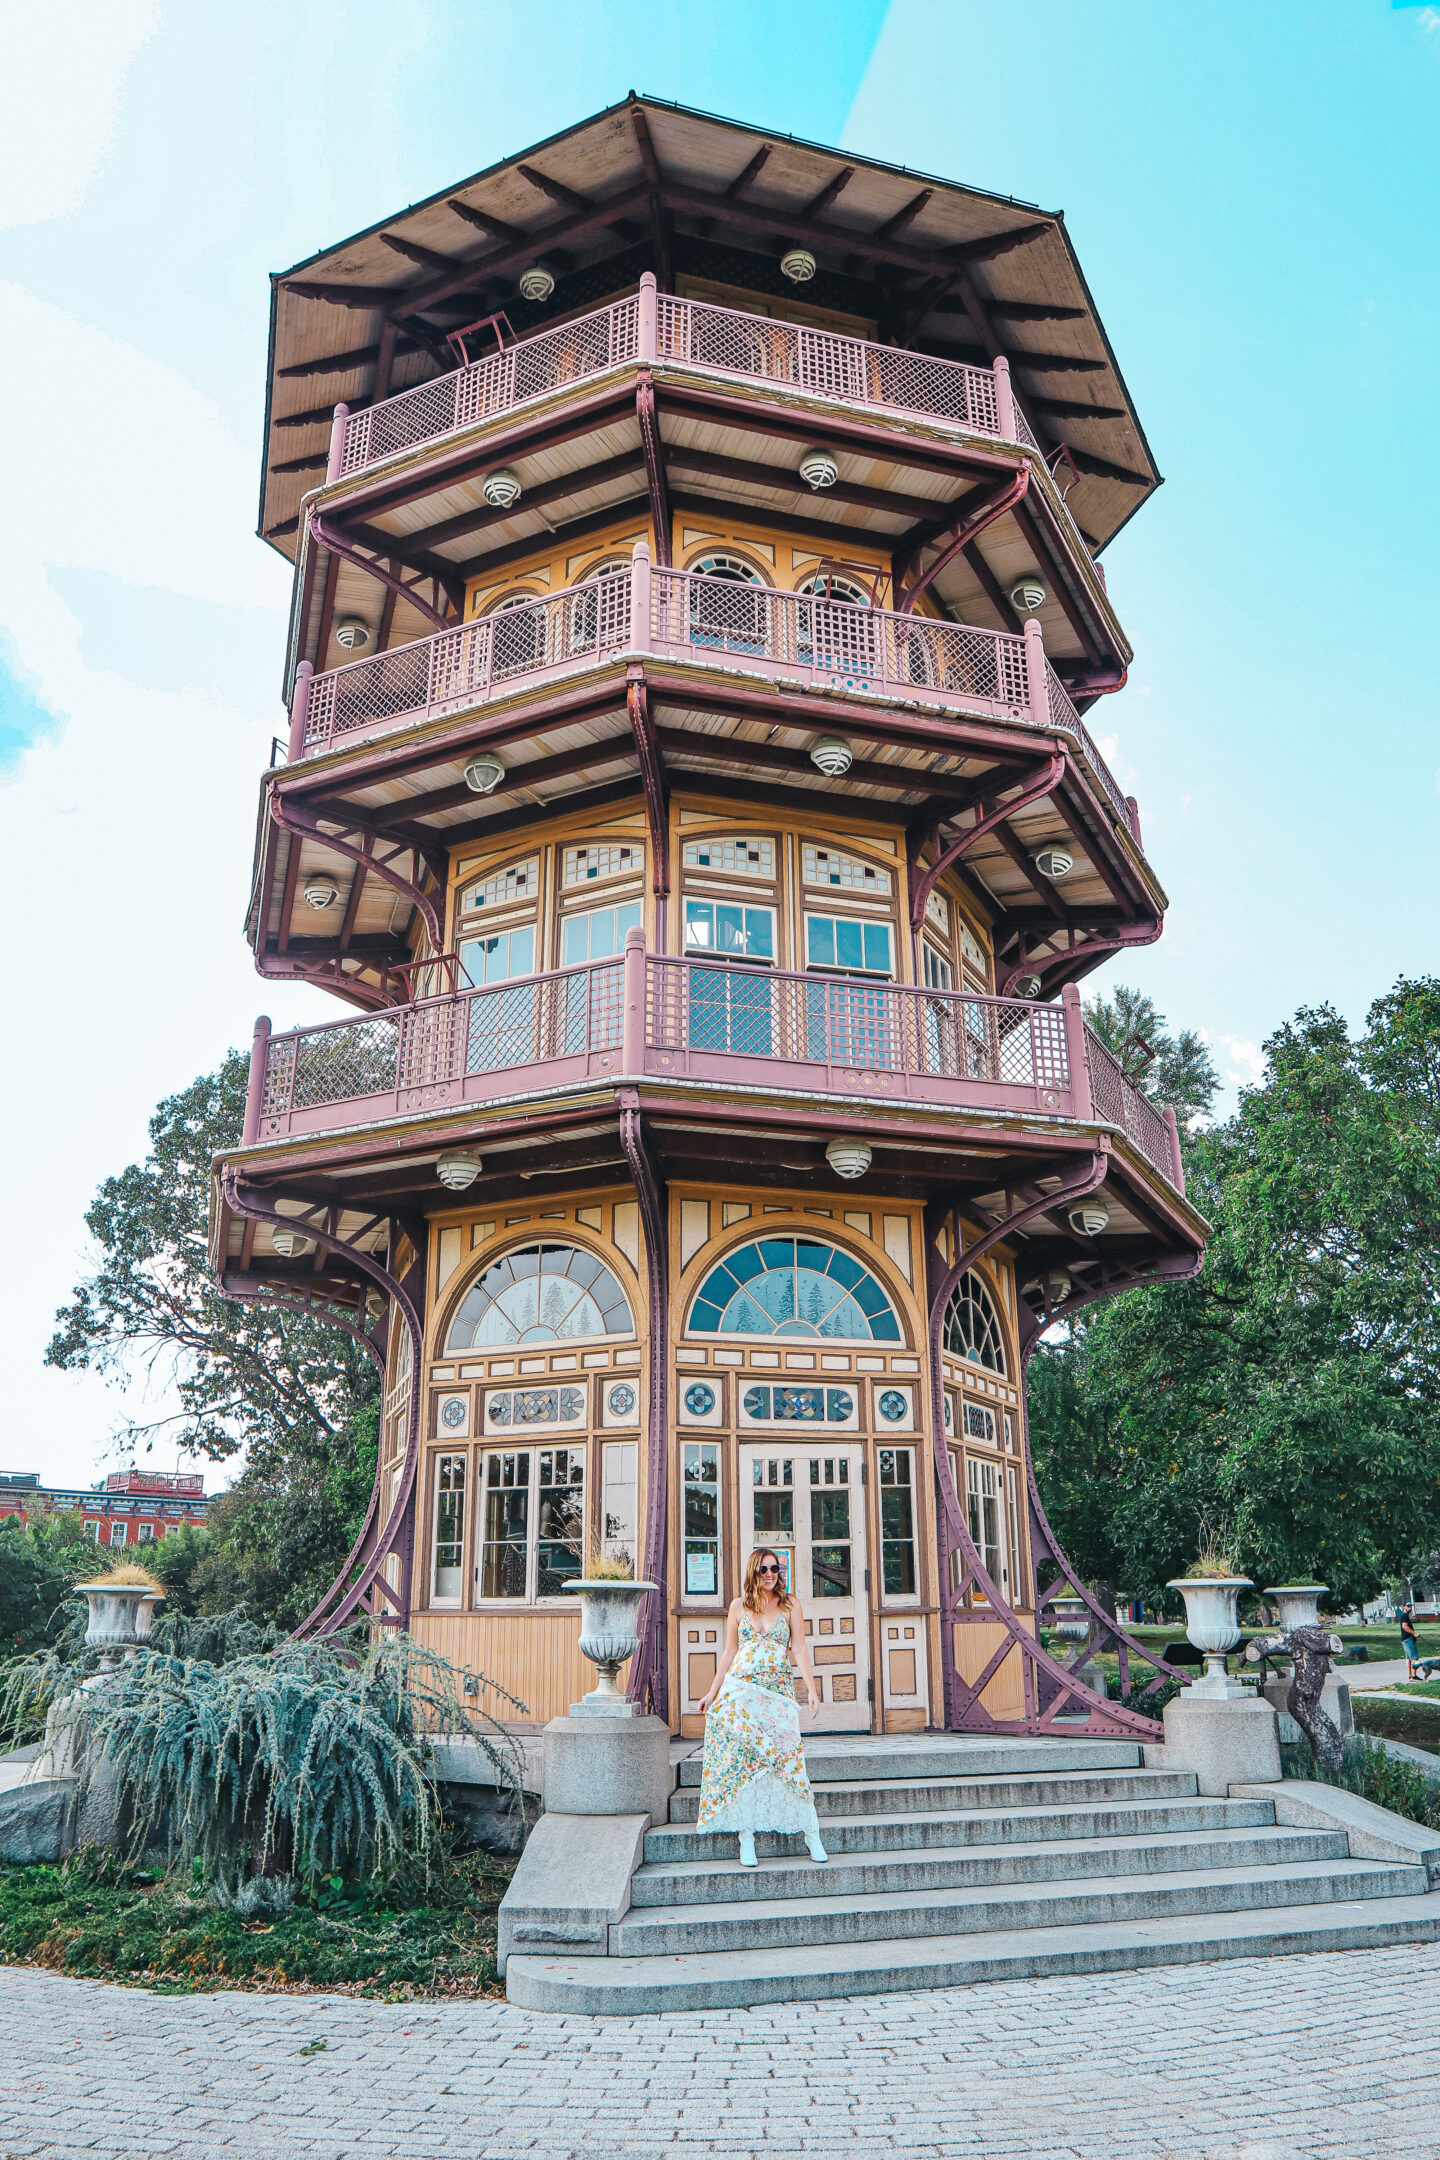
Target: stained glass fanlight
<point>972,1326</point>
<point>541,1293</point>
<point>797,1287</point>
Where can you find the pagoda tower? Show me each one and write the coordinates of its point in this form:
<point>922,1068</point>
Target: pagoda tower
<point>697,610</point>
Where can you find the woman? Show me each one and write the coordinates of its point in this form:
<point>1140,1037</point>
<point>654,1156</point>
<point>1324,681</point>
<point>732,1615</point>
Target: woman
<point>754,1765</point>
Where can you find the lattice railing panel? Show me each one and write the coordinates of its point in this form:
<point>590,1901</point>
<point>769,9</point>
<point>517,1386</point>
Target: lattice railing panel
<point>883,1027</point>
<point>533,368</point>
<point>532,1022</point>
<point>1064,714</point>
<point>1118,1101</point>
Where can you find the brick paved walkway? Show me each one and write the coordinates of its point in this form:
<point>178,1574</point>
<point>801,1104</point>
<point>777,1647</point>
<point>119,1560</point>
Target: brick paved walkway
<point>1300,2058</point>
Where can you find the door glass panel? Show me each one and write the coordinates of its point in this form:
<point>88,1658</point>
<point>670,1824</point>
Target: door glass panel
<point>830,1543</point>
<point>701,1476</point>
<point>897,1523</point>
<point>507,1525</point>
<point>561,1520</point>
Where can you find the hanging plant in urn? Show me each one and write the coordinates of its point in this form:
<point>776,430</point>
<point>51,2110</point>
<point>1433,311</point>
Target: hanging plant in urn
<point>1211,1588</point>
<point>610,1600</point>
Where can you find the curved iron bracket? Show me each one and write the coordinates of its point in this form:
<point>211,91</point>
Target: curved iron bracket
<point>1048,1685</point>
<point>1043,782</point>
<point>376,567</point>
<point>652,780</point>
<point>985,513</point>
<point>653,449</point>
<point>361,1577</point>
<point>303,824</point>
<point>649,1672</point>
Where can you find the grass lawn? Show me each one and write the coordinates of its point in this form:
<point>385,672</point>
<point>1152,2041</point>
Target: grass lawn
<point>93,1916</point>
<point>1396,1715</point>
<point>1381,1642</point>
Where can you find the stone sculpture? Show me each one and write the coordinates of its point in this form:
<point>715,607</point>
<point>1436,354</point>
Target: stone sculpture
<point>1310,1650</point>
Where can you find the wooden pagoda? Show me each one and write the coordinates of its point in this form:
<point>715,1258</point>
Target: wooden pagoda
<point>697,610</point>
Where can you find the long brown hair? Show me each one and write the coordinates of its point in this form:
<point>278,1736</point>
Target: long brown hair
<point>750,1595</point>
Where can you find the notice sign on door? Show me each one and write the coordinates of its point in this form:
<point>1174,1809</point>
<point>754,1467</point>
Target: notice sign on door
<point>700,1574</point>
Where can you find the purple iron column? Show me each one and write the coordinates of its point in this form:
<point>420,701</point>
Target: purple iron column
<point>1004,400</point>
<point>255,1088</point>
<point>632,1018</point>
<point>649,342</point>
<point>300,710</point>
<point>336,460</point>
<point>1081,1104</point>
<point>1037,689</point>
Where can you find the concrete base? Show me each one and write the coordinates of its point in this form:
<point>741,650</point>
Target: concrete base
<point>609,1766</point>
<point>1334,1701</point>
<point>1224,1741</point>
<point>1371,1832</point>
<point>572,1885</point>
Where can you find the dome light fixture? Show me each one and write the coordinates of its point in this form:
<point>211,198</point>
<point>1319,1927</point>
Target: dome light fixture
<point>1058,1286</point>
<point>1029,595</point>
<point>1054,862</point>
<point>538,282</point>
<point>833,755</point>
<point>848,1158</point>
<point>484,773</point>
<point>798,264</point>
<point>501,489</point>
<point>1025,986</point>
<point>818,468</point>
<point>351,634</point>
<point>457,1173</point>
<point>374,1304</point>
<point>1089,1217</point>
<point>287,1243</point>
<point>321,890</point>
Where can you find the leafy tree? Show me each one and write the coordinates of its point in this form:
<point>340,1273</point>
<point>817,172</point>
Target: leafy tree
<point>1176,1071</point>
<point>297,1396</point>
<point>41,1559</point>
<point>1291,1390</point>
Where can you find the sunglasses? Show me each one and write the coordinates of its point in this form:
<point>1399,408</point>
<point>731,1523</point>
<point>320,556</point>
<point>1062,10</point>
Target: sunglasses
<point>767,1567</point>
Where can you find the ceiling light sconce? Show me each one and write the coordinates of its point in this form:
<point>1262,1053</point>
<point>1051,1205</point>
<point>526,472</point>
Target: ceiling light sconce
<point>1025,986</point>
<point>798,264</point>
<point>501,489</point>
<point>1058,1286</point>
<point>374,1304</point>
<point>321,890</point>
<point>538,282</point>
<point>287,1243</point>
<point>818,468</point>
<point>1029,595</point>
<point>848,1158</point>
<point>833,755</point>
<point>352,635</point>
<point>457,1173</point>
<point>1054,862</point>
<point>483,774</point>
<point>1089,1218</point>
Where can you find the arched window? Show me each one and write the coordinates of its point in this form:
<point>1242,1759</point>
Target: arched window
<point>519,639</point>
<point>834,628</point>
<point>733,567</point>
<point>972,1327</point>
<point>794,1286</point>
<point>540,1293</point>
<point>824,586</point>
<point>599,612</point>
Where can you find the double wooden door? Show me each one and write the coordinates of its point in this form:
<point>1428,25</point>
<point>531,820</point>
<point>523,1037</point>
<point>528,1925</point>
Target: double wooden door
<point>808,1503</point>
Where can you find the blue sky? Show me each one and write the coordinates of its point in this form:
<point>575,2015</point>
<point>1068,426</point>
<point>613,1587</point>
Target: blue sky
<point>1252,192</point>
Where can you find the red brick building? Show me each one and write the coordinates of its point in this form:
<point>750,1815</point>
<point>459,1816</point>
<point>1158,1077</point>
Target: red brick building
<point>132,1507</point>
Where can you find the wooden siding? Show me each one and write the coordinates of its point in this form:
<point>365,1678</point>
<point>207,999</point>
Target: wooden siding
<point>533,1654</point>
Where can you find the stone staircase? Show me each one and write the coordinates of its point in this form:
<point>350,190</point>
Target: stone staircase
<point>956,1859</point>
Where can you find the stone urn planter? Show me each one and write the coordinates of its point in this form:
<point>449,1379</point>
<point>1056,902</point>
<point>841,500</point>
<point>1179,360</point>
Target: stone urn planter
<point>609,1637</point>
<point>1212,1622</point>
<point>120,1617</point>
<point>1298,1603</point>
<point>1072,1618</point>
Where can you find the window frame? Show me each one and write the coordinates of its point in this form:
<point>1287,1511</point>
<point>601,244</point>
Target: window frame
<point>532,1450</point>
<point>439,1460</point>
<point>898,1600</point>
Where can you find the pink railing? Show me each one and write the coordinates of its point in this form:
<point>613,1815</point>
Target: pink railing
<point>654,327</point>
<point>715,621</point>
<point>694,1020</point>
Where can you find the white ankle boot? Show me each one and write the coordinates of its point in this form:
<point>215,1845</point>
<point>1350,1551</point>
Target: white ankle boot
<point>747,1848</point>
<point>816,1849</point>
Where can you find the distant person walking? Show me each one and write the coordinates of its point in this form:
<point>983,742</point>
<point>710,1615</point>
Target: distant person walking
<point>1409,1643</point>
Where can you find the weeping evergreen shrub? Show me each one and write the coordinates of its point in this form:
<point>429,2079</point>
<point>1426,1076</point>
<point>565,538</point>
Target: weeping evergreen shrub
<point>308,1761</point>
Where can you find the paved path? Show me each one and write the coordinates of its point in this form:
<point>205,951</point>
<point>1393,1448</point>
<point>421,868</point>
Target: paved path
<point>1301,2058</point>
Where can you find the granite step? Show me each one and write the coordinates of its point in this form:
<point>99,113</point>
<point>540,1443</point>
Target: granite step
<point>879,1759</point>
<point>701,1883</point>
<point>972,1827</point>
<point>855,1796</point>
<point>626,1986</point>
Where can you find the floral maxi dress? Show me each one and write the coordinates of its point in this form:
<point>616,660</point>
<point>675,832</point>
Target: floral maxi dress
<point>754,1776</point>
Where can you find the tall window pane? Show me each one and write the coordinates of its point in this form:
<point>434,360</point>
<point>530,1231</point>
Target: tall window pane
<point>449,1525</point>
<point>897,1522</point>
<point>701,1484</point>
<point>560,1541</point>
<point>507,1525</point>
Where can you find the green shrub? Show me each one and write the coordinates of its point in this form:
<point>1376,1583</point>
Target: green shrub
<point>1373,1774</point>
<point>308,1761</point>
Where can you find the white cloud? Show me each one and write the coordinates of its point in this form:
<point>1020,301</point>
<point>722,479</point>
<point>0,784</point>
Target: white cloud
<point>66,81</point>
<point>1245,1060</point>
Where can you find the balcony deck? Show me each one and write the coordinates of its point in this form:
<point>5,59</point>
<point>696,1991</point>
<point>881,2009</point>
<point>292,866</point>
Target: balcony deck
<point>679,615</point>
<point>651,1016</point>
